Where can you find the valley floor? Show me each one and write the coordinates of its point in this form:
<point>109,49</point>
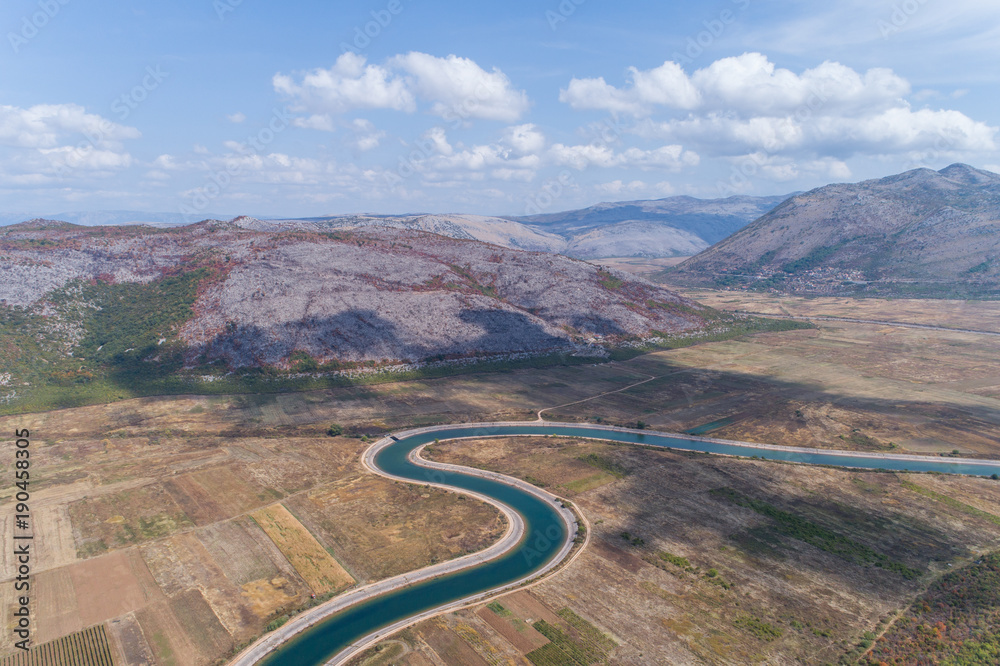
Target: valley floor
<point>159,494</point>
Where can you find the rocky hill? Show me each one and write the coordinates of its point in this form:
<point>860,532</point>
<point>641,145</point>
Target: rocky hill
<point>495,230</point>
<point>672,227</point>
<point>77,303</point>
<point>920,233</point>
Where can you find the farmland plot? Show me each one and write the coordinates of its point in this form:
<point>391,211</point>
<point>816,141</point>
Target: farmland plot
<point>317,567</point>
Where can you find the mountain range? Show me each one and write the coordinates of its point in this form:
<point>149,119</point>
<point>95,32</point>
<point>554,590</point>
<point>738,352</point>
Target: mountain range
<point>920,233</point>
<point>673,227</point>
<point>82,303</point>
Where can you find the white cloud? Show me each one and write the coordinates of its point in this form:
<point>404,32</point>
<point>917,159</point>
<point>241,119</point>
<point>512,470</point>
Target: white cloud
<point>618,188</point>
<point>93,159</point>
<point>60,144</point>
<point>666,85</point>
<point>237,117</point>
<point>317,121</point>
<point>457,89</point>
<point>460,88</point>
<point>524,139</point>
<point>746,104</point>
<point>672,157</point>
<point>747,84</point>
<point>436,139</point>
<point>366,136</point>
<point>782,169</point>
<point>582,156</point>
<point>349,84</point>
<point>46,125</point>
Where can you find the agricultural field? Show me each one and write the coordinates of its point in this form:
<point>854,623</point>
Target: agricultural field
<point>160,495</point>
<point>973,315</point>
<point>173,539</point>
<point>700,559</point>
<point>90,646</point>
<point>321,572</point>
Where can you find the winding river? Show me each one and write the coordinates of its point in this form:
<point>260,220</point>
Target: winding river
<point>540,534</point>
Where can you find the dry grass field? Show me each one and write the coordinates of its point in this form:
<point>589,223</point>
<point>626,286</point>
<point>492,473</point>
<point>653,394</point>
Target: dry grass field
<point>974,315</point>
<point>726,561</point>
<point>143,509</point>
<point>174,539</point>
<point>638,265</point>
<point>321,572</point>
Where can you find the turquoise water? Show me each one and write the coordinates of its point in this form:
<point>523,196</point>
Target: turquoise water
<point>544,529</point>
<point>545,534</point>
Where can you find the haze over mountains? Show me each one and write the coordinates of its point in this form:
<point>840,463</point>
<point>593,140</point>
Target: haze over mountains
<point>673,227</point>
<point>923,232</point>
<point>96,218</point>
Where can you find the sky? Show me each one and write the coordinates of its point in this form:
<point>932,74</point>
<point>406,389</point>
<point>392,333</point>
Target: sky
<point>522,107</point>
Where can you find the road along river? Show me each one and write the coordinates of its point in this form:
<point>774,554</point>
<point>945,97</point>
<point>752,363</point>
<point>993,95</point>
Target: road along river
<point>539,535</point>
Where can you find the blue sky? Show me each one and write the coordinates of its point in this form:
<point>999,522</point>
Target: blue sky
<point>291,109</point>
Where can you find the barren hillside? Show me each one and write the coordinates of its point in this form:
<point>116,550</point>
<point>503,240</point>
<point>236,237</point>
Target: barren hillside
<point>922,232</point>
<point>218,296</point>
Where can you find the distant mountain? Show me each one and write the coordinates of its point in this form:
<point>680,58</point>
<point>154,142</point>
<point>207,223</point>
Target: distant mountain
<point>921,233</point>
<point>495,230</point>
<point>96,218</point>
<point>672,227</point>
<point>14,218</point>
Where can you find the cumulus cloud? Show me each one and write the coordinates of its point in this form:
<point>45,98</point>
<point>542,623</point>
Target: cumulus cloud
<point>456,88</point>
<point>524,139</point>
<point>51,143</point>
<point>746,103</point>
<point>666,85</point>
<point>436,139</point>
<point>46,125</point>
<point>349,84</point>
<point>237,117</point>
<point>460,88</point>
<point>366,136</point>
<point>748,84</point>
<point>671,157</point>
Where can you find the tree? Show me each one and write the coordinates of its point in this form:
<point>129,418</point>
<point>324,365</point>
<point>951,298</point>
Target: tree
<point>335,430</point>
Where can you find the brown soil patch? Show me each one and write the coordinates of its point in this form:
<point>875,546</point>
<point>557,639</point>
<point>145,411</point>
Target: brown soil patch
<point>210,496</point>
<point>112,585</point>
<point>200,623</point>
<point>522,636</point>
<point>167,640</point>
<point>182,564</point>
<point>57,607</point>
<point>451,648</point>
<point>126,635</point>
<point>527,607</point>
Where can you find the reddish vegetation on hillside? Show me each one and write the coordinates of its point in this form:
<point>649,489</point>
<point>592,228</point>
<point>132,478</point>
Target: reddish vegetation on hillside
<point>367,295</point>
